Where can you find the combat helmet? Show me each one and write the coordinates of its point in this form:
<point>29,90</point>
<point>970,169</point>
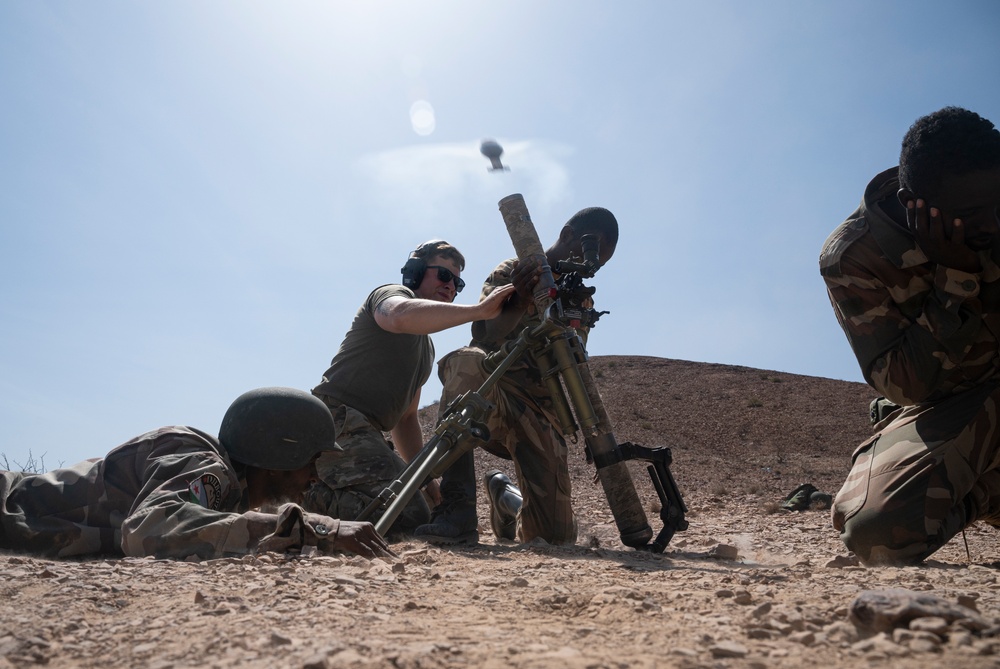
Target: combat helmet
<point>278,428</point>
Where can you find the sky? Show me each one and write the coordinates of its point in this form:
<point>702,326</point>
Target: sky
<point>198,195</point>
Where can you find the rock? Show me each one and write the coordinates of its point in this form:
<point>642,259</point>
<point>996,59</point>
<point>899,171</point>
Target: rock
<point>804,638</point>
<point>724,552</point>
<point>875,611</point>
<point>932,624</point>
<point>920,642</point>
<point>317,662</point>
<point>762,633</point>
<point>842,561</point>
<point>880,643</point>
<point>969,601</point>
<point>841,632</point>
<point>728,649</point>
<point>278,639</point>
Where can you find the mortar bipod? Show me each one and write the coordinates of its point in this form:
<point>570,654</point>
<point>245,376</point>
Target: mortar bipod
<point>672,508</point>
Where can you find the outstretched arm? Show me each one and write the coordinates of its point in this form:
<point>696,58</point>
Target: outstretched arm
<point>419,316</point>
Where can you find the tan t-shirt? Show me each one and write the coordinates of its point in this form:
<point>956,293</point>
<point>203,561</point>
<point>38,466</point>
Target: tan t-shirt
<point>375,371</point>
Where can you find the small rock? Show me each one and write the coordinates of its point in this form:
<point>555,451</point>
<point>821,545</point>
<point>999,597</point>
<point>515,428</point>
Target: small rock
<point>804,638</point>
<point>960,638</point>
<point>724,552</point>
<point>843,561</point>
<point>841,632</point>
<point>278,639</point>
<point>761,633</point>
<point>969,601</point>
<point>347,580</point>
<point>918,642</point>
<point>931,624</point>
<point>317,662</point>
<point>728,649</point>
<point>879,643</point>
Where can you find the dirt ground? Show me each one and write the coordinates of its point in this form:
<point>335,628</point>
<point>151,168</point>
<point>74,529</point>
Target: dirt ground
<point>747,585</point>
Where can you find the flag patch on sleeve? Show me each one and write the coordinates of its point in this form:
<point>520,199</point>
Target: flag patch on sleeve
<point>206,490</point>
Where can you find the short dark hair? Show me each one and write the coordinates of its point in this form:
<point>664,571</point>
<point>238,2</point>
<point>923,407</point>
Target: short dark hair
<point>951,141</point>
<point>439,247</point>
<point>595,220</point>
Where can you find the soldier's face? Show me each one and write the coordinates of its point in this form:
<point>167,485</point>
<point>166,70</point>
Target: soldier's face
<point>975,199</point>
<point>291,485</point>
<point>432,287</point>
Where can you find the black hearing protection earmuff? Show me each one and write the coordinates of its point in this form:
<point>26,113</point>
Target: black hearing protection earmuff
<point>413,272</point>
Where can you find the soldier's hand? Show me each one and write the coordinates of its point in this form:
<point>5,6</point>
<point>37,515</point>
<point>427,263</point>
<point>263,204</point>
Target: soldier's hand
<point>361,538</point>
<point>943,242</point>
<point>493,304</point>
<point>525,275</point>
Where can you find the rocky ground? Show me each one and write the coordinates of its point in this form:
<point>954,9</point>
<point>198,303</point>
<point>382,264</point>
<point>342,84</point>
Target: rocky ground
<point>747,585</point>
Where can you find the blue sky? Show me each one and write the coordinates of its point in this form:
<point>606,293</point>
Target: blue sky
<point>197,196</point>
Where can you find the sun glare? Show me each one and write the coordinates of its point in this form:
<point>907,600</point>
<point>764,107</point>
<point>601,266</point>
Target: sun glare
<point>422,117</point>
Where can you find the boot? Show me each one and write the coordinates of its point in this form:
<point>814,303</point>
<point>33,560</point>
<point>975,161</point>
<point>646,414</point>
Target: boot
<point>505,502</point>
<point>454,520</point>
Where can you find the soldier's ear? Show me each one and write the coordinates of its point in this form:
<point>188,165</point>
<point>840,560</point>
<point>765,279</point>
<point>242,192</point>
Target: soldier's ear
<point>567,236</point>
<point>905,195</point>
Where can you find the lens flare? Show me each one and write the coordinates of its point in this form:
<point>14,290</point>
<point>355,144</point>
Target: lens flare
<point>422,117</point>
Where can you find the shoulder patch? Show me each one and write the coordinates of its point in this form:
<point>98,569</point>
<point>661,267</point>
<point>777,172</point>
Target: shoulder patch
<point>206,490</point>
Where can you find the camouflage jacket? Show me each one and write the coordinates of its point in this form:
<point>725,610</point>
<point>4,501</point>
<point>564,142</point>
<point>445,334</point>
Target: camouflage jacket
<point>169,493</point>
<point>524,370</point>
<point>920,331</point>
<point>500,276</point>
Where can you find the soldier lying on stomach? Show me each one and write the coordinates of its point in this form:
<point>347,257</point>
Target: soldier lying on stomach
<point>178,492</point>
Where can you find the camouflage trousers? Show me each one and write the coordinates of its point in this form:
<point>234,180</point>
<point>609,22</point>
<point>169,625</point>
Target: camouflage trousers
<point>933,470</point>
<point>352,478</point>
<point>522,428</point>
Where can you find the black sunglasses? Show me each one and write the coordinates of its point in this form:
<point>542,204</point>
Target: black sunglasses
<point>445,275</point>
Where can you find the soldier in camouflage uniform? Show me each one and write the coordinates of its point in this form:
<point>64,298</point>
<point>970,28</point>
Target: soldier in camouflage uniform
<point>376,377</point>
<point>914,279</point>
<point>178,492</point>
<point>523,426</point>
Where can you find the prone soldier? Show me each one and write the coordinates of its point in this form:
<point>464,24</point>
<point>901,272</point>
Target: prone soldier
<point>178,492</point>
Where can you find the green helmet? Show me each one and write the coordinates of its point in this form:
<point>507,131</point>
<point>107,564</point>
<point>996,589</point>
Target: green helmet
<point>278,428</point>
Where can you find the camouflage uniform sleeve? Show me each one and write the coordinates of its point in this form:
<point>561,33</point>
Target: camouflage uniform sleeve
<point>186,508</point>
<point>500,276</point>
<point>907,358</point>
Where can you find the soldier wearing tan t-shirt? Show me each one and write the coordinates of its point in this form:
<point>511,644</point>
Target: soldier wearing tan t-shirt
<point>376,375</point>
